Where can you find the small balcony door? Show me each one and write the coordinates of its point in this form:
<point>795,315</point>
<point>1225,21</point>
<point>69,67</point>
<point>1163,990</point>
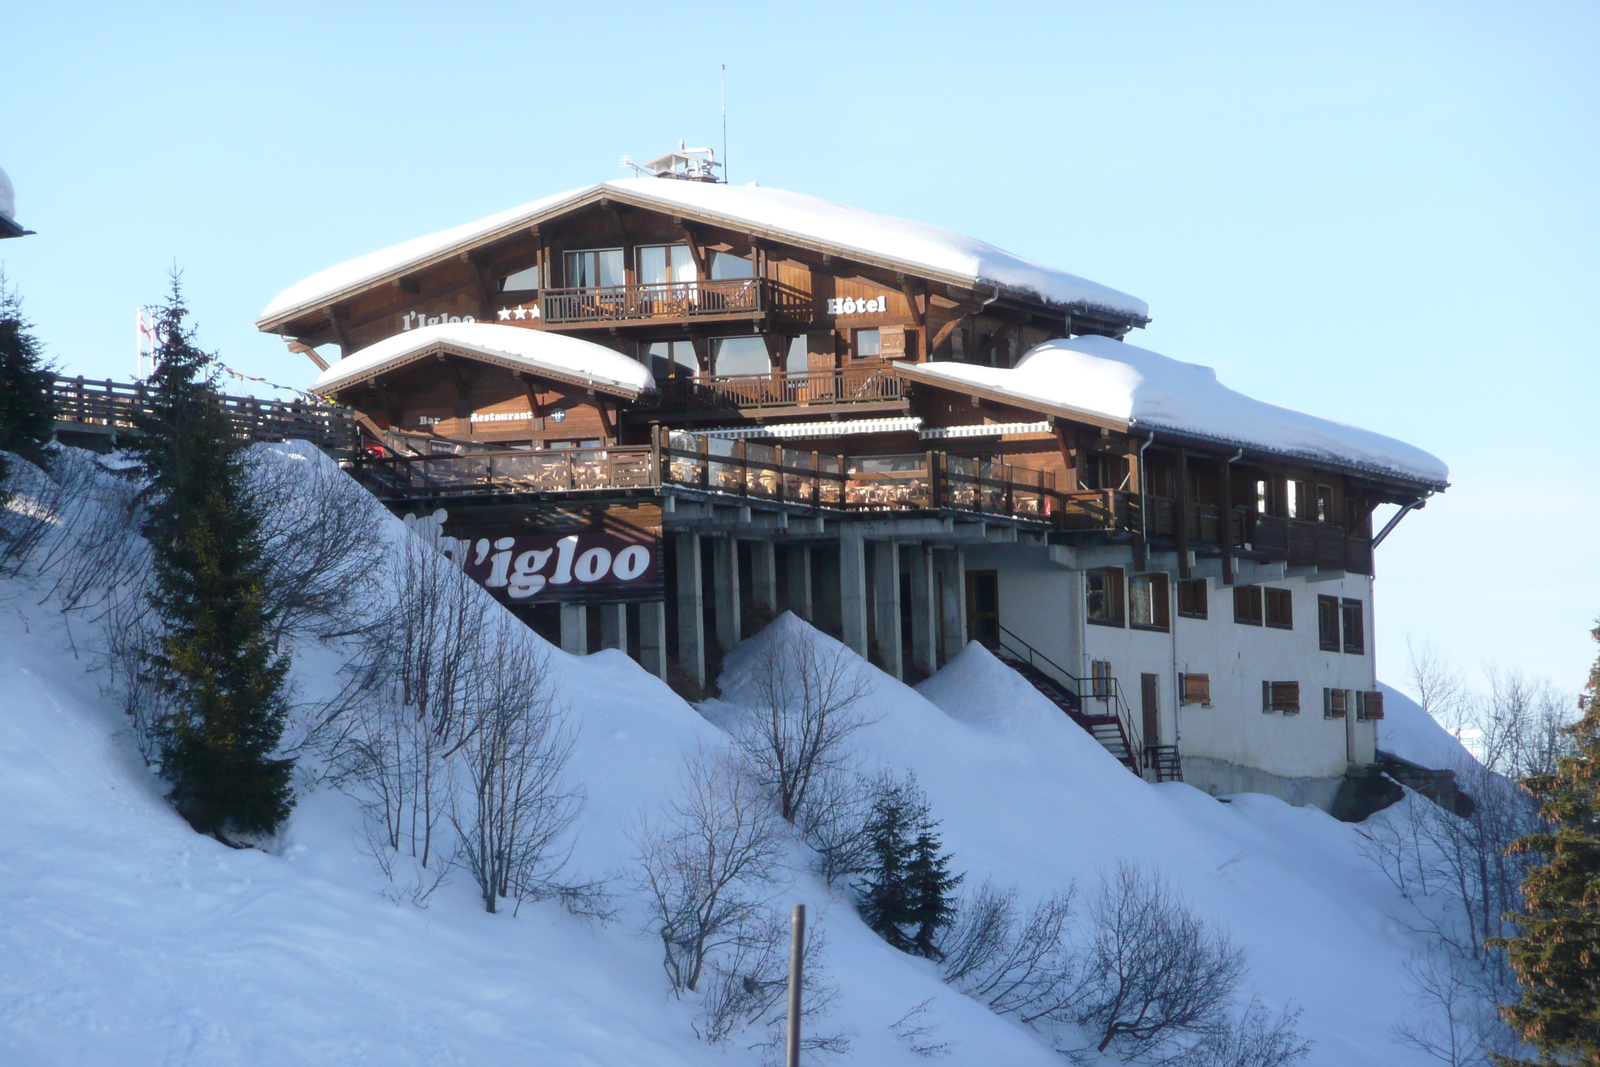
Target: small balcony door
<point>664,264</point>
<point>595,268</point>
<point>983,608</point>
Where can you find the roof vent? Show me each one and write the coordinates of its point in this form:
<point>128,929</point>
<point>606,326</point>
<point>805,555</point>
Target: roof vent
<point>682,164</point>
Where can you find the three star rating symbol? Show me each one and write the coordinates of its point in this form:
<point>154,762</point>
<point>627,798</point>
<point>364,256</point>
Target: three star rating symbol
<point>518,313</point>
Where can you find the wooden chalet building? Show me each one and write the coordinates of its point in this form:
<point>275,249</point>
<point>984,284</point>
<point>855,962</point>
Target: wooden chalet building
<point>653,413</point>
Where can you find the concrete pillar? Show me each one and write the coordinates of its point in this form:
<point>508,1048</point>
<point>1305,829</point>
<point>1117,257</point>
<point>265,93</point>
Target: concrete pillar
<point>764,579</point>
<point>886,604</point>
<point>853,589</point>
<point>798,563</point>
<point>951,565</point>
<point>653,638</point>
<point>725,576</point>
<point>575,629</point>
<point>924,611</point>
<point>614,626</point>
<point>691,608</point>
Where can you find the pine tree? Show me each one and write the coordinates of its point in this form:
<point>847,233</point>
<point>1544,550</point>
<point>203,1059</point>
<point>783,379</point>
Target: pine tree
<point>1557,956</point>
<point>222,676</point>
<point>27,406</point>
<point>907,897</point>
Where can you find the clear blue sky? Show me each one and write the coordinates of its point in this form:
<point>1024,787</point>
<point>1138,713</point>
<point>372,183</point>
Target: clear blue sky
<point>1381,213</point>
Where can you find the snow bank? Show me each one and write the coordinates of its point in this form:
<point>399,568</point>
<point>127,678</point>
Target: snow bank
<point>530,350</point>
<point>1412,734</point>
<point>914,245</point>
<point>1149,391</point>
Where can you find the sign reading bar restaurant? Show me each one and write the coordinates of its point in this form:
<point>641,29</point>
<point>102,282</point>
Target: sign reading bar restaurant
<point>590,565</point>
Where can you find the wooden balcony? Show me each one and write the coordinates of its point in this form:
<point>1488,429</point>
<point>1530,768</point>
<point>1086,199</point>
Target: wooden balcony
<point>111,408</point>
<point>671,300</point>
<point>507,473</point>
<point>743,392</point>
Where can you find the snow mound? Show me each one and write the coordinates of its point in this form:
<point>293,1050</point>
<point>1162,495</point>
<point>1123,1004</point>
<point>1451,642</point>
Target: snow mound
<point>1412,734</point>
<point>513,346</point>
<point>803,218</point>
<point>1112,379</point>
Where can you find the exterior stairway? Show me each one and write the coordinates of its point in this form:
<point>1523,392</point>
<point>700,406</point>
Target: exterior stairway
<point>1105,719</point>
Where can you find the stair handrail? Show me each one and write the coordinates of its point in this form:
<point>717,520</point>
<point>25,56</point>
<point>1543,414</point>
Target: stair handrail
<point>1107,689</point>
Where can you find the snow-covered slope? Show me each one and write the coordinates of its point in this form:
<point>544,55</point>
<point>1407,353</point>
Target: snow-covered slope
<point>1412,734</point>
<point>127,939</point>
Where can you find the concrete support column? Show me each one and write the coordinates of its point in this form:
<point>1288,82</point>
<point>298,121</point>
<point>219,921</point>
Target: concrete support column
<point>575,629</point>
<point>691,608</point>
<point>614,626</point>
<point>725,576</point>
<point>653,638</point>
<point>951,565</point>
<point>764,579</point>
<point>924,611</point>
<point>853,589</point>
<point>797,560</point>
<point>886,604</point>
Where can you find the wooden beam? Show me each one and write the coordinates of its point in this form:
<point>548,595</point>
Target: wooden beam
<point>337,316</point>
<point>1227,521</point>
<point>296,345</point>
<point>532,394</point>
<point>919,311</point>
<point>486,293</point>
<point>1067,441</point>
<point>1181,493</point>
<point>696,250</point>
<point>606,422</point>
<point>944,333</point>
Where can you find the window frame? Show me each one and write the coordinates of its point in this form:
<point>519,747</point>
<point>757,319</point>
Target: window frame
<point>1160,595</point>
<point>1329,619</point>
<point>1335,703</point>
<point>1273,597</point>
<point>1280,696</point>
<point>1203,586</point>
<point>1116,592</point>
<point>1251,593</point>
<point>1350,606</point>
<point>855,342</point>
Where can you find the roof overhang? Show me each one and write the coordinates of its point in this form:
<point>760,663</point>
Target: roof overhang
<point>918,373</point>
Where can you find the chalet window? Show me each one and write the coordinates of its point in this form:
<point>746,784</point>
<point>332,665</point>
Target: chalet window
<point>1280,609</point>
<point>865,344</point>
<point>798,360</point>
<point>1103,589</point>
<point>594,267</point>
<point>1369,706</point>
<point>1355,630</point>
<point>666,358</point>
<point>740,355</point>
<point>581,442</point>
<point>1281,696</point>
<point>1148,604</point>
<point>522,281</point>
<point>1328,623</point>
<point>1100,679</point>
<point>1195,689</point>
<point>1300,505</point>
<point>724,265</point>
<point>1192,598</point>
<point>1324,503</point>
<point>1247,604</point>
<point>1335,703</point>
<point>1263,497</point>
<point>661,264</point>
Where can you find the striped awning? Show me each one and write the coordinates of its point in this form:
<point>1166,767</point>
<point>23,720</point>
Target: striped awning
<point>988,429</point>
<point>795,430</point>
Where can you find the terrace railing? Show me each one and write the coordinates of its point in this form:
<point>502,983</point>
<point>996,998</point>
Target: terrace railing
<point>616,303</point>
<point>114,407</point>
<point>495,473</point>
<point>740,391</point>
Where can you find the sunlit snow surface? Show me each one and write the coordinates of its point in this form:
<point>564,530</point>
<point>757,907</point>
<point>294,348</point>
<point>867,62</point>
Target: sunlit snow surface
<point>125,939</point>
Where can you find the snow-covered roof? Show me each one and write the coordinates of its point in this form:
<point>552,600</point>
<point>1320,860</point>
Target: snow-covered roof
<point>535,351</point>
<point>794,217</point>
<point>8,197</point>
<point>1105,379</point>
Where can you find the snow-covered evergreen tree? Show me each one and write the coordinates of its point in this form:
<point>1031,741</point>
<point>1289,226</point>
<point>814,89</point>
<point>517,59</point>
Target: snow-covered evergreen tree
<point>907,896</point>
<point>27,408</point>
<point>215,660</point>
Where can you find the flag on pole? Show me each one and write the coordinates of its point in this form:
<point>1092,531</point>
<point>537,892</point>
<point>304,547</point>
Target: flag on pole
<point>147,343</point>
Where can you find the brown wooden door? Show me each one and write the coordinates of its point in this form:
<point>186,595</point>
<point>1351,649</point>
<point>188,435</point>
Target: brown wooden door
<point>1150,704</point>
<point>983,608</point>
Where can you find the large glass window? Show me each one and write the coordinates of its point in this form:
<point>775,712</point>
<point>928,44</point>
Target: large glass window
<point>740,355</point>
<point>521,281</point>
<point>661,264</point>
<point>1148,601</point>
<point>724,265</point>
<point>798,360</point>
<point>668,358</point>
<point>865,344</point>
<point>595,267</point>
<point>1103,596</point>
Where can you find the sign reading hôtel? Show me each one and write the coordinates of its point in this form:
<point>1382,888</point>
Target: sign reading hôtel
<point>553,567</point>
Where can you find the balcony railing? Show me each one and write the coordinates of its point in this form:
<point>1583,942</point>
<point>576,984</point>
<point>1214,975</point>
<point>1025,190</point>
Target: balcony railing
<point>743,391</point>
<point>618,303</point>
<point>114,407</point>
<point>495,473</point>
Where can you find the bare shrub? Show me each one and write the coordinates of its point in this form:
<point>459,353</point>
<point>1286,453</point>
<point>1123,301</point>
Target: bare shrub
<point>705,866</point>
<point>1256,1038</point>
<point>746,987</point>
<point>1157,979</point>
<point>1018,964</point>
<point>1456,1022</point>
<point>834,821</point>
<point>513,816</point>
<point>919,1032</point>
<point>803,706</point>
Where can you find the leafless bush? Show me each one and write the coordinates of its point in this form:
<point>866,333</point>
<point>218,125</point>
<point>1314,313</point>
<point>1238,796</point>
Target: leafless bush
<point>513,816</point>
<point>833,822</point>
<point>1255,1039</point>
<point>1456,1021</point>
<point>746,987</point>
<point>316,540</point>
<point>803,706</point>
<point>705,866</point>
<point>1018,965</point>
<point>1157,980</point>
<point>919,1032</point>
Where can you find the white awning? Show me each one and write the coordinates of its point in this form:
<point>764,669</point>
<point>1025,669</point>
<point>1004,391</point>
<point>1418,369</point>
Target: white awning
<point>991,429</point>
<point>842,428</point>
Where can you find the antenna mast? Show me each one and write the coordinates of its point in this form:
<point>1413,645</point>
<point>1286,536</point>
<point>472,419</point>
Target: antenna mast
<point>725,124</point>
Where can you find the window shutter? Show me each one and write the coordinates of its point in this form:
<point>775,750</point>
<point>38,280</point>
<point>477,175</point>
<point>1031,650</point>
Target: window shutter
<point>1369,706</point>
<point>892,341</point>
<point>1196,688</point>
<point>1282,696</point>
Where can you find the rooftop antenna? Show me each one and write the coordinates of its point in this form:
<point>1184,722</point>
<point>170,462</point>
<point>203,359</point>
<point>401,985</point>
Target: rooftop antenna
<point>725,124</point>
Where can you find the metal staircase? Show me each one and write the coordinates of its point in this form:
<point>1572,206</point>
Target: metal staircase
<point>1095,704</point>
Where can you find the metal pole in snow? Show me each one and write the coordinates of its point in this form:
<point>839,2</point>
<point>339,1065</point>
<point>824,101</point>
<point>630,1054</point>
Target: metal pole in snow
<point>797,950</point>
